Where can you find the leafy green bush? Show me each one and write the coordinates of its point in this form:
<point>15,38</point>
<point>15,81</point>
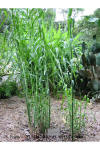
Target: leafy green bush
<point>8,89</point>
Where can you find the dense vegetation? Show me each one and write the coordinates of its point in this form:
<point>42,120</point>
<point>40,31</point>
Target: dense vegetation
<point>44,60</point>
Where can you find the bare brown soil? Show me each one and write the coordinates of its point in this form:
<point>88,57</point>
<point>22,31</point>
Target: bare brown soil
<point>14,122</point>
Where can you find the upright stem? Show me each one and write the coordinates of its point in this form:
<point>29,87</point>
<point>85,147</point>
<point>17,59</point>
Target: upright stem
<point>71,82</point>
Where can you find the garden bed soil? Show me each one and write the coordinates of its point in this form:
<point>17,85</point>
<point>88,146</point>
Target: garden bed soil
<point>14,123</point>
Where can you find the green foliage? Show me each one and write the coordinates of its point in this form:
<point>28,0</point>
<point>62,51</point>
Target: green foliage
<point>45,58</point>
<point>75,118</point>
<point>32,52</point>
<point>8,89</point>
<point>88,25</point>
<point>5,19</point>
<point>49,16</point>
<point>97,13</point>
<point>79,113</point>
